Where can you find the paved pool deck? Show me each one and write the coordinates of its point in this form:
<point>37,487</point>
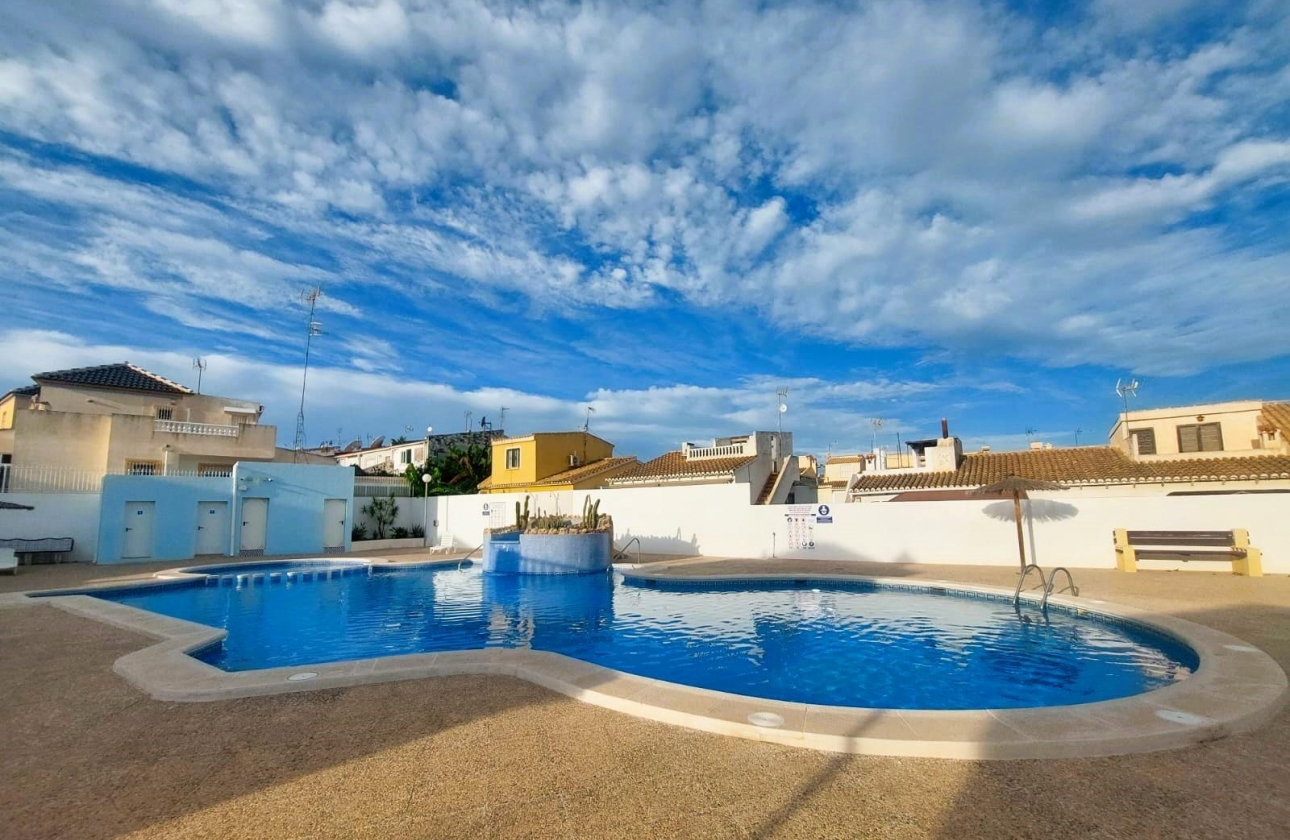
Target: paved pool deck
<point>85,755</point>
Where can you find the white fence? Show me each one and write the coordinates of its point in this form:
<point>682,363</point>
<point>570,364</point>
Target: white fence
<point>717,521</point>
<point>22,479</point>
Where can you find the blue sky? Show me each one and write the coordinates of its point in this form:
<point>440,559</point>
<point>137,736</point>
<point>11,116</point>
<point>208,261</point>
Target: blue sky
<point>665,211</point>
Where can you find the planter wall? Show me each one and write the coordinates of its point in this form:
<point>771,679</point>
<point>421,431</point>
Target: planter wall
<point>548,554</point>
<point>386,545</point>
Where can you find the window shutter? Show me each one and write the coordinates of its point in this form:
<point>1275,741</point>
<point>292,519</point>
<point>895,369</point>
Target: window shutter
<point>1188,439</point>
<point>1211,437</point>
<point>1146,439</point>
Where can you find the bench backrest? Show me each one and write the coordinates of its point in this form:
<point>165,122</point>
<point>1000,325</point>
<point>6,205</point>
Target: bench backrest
<point>53,544</point>
<point>1188,538</point>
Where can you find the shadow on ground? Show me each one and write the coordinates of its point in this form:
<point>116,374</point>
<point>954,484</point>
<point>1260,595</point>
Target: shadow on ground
<point>86,756</point>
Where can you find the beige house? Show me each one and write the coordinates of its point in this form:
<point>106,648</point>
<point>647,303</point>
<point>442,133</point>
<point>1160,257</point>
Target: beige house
<point>1242,452</point>
<point>763,461</point>
<point>120,418</point>
<point>1212,430</point>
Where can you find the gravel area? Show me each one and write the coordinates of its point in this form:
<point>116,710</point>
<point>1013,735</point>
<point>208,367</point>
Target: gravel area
<point>82,755</point>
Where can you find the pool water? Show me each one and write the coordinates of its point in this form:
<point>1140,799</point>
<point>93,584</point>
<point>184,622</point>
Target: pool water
<point>833,643</point>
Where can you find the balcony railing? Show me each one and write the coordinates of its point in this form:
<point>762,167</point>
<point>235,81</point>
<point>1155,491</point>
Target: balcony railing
<point>733,450</point>
<point>178,427</point>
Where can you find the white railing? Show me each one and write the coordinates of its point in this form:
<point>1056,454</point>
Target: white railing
<point>16,479</point>
<point>179,427</point>
<point>369,486</point>
<point>733,450</point>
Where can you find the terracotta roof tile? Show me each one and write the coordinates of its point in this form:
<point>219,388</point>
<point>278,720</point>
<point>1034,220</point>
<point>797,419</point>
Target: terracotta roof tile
<point>121,375</point>
<point>574,474</point>
<point>1082,465</point>
<point>675,465</point>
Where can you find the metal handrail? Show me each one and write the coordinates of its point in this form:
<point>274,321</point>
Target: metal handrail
<point>622,552</point>
<point>1043,582</point>
<point>1052,580</point>
<point>467,557</point>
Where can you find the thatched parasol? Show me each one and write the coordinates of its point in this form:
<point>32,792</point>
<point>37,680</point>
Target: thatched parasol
<point>1017,487</point>
<point>12,506</point>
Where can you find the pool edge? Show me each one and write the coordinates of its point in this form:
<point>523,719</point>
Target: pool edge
<point>1235,689</point>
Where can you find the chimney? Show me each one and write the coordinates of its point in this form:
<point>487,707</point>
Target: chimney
<point>945,428</point>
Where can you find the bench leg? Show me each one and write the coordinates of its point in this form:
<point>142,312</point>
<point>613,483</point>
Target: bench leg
<point>1126,559</point>
<point>1251,565</point>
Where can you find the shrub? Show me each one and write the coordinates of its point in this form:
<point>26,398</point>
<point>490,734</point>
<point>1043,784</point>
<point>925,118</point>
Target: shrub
<point>399,533</point>
<point>358,533</point>
<point>382,512</point>
<point>417,531</point>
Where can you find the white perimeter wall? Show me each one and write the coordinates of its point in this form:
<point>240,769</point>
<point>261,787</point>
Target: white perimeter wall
<point>74,515</point>
<point>1061,529</point>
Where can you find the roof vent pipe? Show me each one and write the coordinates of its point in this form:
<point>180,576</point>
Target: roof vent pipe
<point>945,428</point>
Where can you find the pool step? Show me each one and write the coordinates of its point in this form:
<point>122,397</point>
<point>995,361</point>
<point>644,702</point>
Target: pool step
<point>292,576</point>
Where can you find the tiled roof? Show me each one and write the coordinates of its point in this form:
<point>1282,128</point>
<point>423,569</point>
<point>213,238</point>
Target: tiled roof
<point>845,459</point>
<point>675,465</point>
<point>1278,415</point>
<point>569,476</point>
<point>1082,465</point>
<point>25,391</point>
<point>122,375</point>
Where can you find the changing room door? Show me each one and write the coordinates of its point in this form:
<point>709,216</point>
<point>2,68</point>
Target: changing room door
<point>255,521</point>
<point>334,523</point>
<point>212,527</point>
<point>137,542</point>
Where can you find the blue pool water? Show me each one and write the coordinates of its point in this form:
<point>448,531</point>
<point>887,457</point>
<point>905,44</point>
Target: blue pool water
<point>847,644</point>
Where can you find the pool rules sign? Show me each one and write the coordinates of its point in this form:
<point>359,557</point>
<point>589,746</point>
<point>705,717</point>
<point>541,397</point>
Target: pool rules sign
<point>802,520</point>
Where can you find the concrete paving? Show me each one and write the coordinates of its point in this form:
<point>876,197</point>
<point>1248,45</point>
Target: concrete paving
<point>84,755</point>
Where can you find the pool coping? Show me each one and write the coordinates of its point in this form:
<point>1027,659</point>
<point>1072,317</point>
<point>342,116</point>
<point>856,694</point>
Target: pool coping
<point>1236,688</point>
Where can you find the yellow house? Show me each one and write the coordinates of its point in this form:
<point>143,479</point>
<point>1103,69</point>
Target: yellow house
<point>553,461</point>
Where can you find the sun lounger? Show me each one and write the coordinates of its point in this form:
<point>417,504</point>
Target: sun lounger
<point>8,561</point>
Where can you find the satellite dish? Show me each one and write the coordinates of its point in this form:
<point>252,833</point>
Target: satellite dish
<point>354,445</point>
<point>782,408</point>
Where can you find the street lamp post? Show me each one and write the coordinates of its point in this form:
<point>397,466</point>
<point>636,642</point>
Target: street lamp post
<point>425,494</point>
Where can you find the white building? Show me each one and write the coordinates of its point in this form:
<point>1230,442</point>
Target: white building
<point>763,461</point>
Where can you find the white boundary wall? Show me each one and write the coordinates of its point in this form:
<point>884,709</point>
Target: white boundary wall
<point>74,515</point>
<point>1061,529</point>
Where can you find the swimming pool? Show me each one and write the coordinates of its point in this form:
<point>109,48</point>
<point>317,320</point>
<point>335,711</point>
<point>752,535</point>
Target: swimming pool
<point>852,643</point>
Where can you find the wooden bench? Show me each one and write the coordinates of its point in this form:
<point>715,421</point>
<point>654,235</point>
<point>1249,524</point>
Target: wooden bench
<point>54,547</point>
<point>1234,546</point>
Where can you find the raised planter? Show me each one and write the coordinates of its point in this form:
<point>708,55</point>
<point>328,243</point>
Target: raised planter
<point>513,553</point>
<point>386,545</point>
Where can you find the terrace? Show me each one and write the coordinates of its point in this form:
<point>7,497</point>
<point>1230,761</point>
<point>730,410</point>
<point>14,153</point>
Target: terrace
<point>496,756</point>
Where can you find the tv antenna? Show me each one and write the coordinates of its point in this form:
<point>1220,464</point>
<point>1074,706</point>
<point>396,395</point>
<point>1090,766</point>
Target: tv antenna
<point>586,425</point>
<point>782,399</point>
<point>501,422</point>
<point>1126,390</point>
<point>1030,434</point>
<point>1078,432</point>
<point>469,415</point>
<point>310,297</point>
<point>876,424</point>
<point>199,365</point>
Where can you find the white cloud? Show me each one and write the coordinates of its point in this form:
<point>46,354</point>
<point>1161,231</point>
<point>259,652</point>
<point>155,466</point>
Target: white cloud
<point>945,175</point>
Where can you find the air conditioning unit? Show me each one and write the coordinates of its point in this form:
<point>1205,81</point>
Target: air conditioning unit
<point>573,460</point>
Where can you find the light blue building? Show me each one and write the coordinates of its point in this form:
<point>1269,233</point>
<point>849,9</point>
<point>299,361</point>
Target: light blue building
<point>262,508</point>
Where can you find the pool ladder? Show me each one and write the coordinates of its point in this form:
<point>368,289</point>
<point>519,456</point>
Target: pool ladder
<point>1045,583</point>
<point>621,553</point>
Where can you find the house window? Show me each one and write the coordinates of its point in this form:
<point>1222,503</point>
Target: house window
<point>513,458</point>
<point>1200,437</point>
<point>405,457</point>
<point>165,413</point>
<point>142,467</point>
<point>220,470</point>
<point>1144,441</point>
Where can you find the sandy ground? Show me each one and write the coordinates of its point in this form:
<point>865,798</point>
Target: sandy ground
<point>83,755</point>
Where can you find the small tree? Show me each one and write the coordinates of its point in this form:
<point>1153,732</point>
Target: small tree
<point>383,512</point>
